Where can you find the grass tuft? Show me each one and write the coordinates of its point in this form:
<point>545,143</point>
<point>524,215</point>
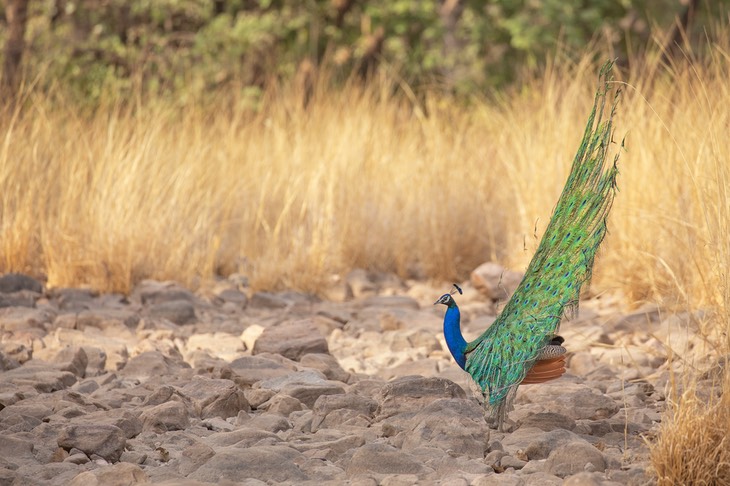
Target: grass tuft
<point>693,447</point>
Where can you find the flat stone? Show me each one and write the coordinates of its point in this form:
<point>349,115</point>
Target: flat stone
<point>121,474</point>
<point>164,417</point>
<point>105,318</point>
<point>265,463</point>
<point>178,311</point>
<point>126,420</point>
<point>152,364</point>
<point>44,377</point>
<point>17,451</point>
<point>21,298</point>
<point>215,398</point>
<point>413,393</point>
<point>308,377</point>
<point>382,459</point>
<point>573,400</point>
<point>195,456</point>
<point>283,405</point>
<point>327,364</point>
<point>242,438</point>
<point>308,394</point>
<point>268,300</point>
<point>548,421</point>
<point>23,318</point>
<point>333,410</point>
<point>106,441</point>
<point>572,458</point>
<point>150,292</point>
<point>252,369</point>
<point>291,339</point>
<point>449,424</point>
<point>15,282</point>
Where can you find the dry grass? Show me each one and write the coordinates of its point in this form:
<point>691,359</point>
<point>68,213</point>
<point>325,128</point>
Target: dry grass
<point>362,178</point>
<point>693,447</point>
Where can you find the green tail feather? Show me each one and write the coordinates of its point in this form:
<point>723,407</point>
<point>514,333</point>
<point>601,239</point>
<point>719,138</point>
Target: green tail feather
<point>499,359</point>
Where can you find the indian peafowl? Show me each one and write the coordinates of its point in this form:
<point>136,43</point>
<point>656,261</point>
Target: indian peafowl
<point>521,347</point>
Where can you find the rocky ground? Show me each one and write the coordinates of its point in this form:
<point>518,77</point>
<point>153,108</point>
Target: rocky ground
<point>228,386</point>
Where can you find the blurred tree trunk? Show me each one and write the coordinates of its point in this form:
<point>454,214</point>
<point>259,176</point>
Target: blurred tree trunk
<point>16,14</point>
<point>450,12</point>
<point>680,31</point>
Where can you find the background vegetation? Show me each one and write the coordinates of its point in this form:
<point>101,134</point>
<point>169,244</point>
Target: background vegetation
<point>294,141</point>
<point>193,47</point>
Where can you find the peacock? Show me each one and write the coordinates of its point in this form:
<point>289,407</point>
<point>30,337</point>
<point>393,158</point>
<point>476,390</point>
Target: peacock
<point>521,346</point>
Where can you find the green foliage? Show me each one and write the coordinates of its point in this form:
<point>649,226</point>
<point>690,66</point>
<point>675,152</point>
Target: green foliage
<point>192,47</point>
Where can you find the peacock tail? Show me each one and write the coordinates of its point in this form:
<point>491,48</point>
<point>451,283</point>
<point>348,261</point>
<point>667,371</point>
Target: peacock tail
<point>499,359</point>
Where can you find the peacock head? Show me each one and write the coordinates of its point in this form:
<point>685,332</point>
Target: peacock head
<point>447,299</point>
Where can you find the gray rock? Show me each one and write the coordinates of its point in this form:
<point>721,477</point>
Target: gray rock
<point>152,364</point>
<point>382,459</point>
<point>15,282</point>
<point>308,394</point>
<point>21,298</point>
<point>105,318</point>
<point>242,438</point>
<point>266,463</point>
<point>267,300</point>
<point>43,377</point>
<point>494,281</point>
<point>194,456</point>
<point>122,474</point>
<point>572,400</point>
<point>126,420</point>
<point>106,441</point>
<point>18,319</point>
<point>233,296</point>
<point>536,444</point>
<point>17,452</point>
<point>513,462</point>
<point>291,339</point>
<point>548,421</point>
<point>37,408</point>
<point>449,424</point>
<point>69,358</point>
<point>327,364</point>
<point>269,422</point>
<point>257,397</point>
<point>283,405</point>
<point>73,299</point>
<point>215,398</point>
<point>164,417</point>
<point>15,423</point>
<point>573,457</point>
<point>333,448</point>
<point>541,479</point>
<point>52,474</point>
<point>248,370</point>
<point>333,410</point>
<point>7,362</point>
<point>150,292</point>
<point>413,393</point>
<point>308,377</point>
<point>178,311</point>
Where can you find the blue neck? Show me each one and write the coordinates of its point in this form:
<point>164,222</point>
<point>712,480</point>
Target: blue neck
<point>452,332</point>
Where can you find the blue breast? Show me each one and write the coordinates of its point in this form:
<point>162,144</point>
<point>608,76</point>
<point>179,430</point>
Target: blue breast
<point>452,332</point>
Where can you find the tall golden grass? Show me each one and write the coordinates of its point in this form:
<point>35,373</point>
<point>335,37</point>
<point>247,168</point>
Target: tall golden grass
<point>366,177</point>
